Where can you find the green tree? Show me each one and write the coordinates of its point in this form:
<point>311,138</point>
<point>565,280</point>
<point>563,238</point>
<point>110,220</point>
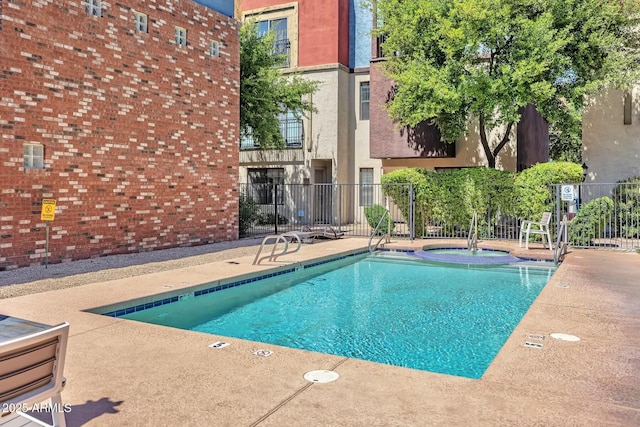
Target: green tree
<point>458,61</point>
<point>266,92</point>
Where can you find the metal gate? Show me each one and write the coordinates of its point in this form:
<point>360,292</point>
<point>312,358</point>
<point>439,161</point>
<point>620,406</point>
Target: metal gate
<point>603,216</point>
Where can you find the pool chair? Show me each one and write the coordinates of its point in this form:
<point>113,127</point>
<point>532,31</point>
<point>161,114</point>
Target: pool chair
<point>31,368</point>
<point>308,235</point>
<point>532,227</point>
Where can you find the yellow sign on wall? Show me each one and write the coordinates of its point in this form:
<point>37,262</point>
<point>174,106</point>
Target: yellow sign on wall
<point>48,212</point>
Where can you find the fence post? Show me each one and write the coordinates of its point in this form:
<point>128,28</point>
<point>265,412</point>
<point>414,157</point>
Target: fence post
<point>558,207</point>
<point>275,208</point>
<point>339,206</point>
<point>412,214</point>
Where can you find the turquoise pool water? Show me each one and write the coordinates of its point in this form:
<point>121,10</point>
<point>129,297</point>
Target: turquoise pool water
<point>388,309</point>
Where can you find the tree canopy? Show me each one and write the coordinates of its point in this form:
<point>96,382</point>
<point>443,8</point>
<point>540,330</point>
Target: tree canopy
<point>455,61</point>
<point>265,92</point>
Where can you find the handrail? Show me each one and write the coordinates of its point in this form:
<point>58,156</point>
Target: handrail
<point>375,231</point>
<point>278,238</point>
<point>562,236</point>
<point>472,239</point>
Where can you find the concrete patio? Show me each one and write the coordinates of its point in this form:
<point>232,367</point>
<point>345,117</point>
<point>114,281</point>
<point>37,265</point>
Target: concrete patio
<point>126,373</point>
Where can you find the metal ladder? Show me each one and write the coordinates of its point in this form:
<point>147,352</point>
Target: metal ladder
<point>280,238</point>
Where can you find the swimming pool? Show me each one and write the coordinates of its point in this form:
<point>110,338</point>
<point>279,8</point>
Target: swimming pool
<point>390,309</point>
<point>465,256</point>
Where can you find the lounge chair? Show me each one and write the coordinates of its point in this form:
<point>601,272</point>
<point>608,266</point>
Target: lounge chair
<point>532,227</point>
<point>30,373</point>
<point>308,235</point>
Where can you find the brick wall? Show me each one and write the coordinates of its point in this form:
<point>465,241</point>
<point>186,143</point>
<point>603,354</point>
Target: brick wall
<point>140,134</point>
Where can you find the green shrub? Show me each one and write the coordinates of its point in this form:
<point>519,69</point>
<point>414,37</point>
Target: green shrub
<point>395,188</point>
<point>451,197</point>
<point>627,197</point>
<point>487,191</point>
<point>533,187</point>
<point>374,213</point>
<point>249,214</point>
<point>590,221</point>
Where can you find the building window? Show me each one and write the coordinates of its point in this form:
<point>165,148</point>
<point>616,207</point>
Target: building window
<point>33,156</point>
<point>214,49</point>
<point>140,22</point>
<point>364,101</point>
<point>291,129</point>
<point>281,43</point>
<point>181,36</point>
<point>93,7</point>
<point>366,186</point>
<point>264,183</point>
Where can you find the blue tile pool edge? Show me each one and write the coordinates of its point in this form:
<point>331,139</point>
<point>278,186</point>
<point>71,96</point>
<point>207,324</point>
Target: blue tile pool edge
<point>188,293</point>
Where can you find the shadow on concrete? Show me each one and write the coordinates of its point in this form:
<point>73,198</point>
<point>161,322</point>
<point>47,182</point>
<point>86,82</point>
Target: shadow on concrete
<point>79,415</point>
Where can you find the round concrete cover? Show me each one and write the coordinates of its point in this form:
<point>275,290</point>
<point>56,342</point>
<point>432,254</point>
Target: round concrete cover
<point>565,337</point>
<point>321,377</point>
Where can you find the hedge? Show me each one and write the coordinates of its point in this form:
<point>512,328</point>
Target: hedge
<point>450,197</point>
<point>627,197</point>
<point>590,221</point>
<point>533,187</point>
<point>374,214</point>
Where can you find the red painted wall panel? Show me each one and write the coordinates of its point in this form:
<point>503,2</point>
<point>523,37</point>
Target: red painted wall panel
<point>140,135</point>
<point>386,141</point>
<point>323,29</point>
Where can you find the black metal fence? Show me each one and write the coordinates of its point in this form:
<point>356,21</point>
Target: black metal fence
<point>605,216</point>
<point>600,215</point>
<point>350,208</point>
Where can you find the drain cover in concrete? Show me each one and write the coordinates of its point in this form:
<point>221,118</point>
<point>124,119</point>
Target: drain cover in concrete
<point>321,377</point>
<point>564,337</point>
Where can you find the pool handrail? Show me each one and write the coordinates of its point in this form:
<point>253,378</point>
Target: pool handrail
<point>472,239</point>
<point>375,231</point>
<point>563,237</point>
<point>277,239</point>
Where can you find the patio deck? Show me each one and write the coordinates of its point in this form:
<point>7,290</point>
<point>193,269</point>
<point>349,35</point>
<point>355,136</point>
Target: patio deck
<point>122,372</point>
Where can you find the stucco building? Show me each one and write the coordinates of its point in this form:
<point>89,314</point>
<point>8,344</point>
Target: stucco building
<point>611,136</point>
<point>126,113</point>
<point>350,138</point>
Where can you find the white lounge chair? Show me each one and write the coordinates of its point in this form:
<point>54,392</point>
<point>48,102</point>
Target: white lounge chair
<point>31,369</point>
<point>307,234</point>
<point>532,227</point>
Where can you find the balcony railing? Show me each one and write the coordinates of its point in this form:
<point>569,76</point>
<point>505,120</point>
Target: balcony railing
<point>292,132</point>
<point>282,48</point>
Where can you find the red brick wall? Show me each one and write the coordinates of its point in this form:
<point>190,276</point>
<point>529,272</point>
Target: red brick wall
<point>140,135</point>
